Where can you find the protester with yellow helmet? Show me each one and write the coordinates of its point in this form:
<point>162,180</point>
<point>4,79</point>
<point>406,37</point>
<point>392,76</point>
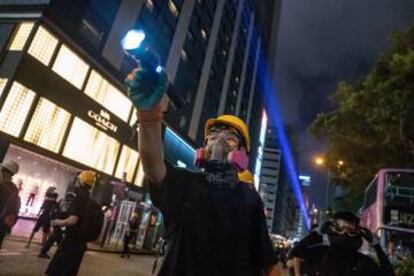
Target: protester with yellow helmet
<point>216,222</point>
<point>68,257</point>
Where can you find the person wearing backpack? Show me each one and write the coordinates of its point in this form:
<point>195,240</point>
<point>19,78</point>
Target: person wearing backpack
<point>9,198</point>
<point>68,256</point>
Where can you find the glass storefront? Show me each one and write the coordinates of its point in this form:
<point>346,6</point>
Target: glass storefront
<point>36,174</point>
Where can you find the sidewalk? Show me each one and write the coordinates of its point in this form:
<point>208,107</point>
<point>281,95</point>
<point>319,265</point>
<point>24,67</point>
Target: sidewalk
<point>21,233</point>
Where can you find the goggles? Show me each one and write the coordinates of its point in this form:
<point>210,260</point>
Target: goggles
<point>228,132</point>
<point>342,227</point>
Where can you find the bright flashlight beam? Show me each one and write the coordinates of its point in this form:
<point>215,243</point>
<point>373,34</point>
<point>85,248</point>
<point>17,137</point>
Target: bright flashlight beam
<point>273,112</point>
<point>133,39</point>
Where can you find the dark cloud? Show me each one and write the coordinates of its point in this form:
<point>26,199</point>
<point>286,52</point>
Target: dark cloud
<point>322,42</point>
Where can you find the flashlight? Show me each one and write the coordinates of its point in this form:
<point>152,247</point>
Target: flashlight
<point>135,47</point>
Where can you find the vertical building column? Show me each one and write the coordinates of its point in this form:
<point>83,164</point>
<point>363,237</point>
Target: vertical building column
<point>229,65</point>
<point>252,86</point>
<point>125,19</point>
<point>174,56</point>
<point>244,67</point>
<point>205,72</point>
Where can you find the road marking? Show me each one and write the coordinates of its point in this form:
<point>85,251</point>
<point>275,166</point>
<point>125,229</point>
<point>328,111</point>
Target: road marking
<point>10,253</point>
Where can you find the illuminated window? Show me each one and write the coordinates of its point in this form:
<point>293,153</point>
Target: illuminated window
<point>139,179</point>
<point>3,83</point>
<point>183,55</point>
<point>127,163</point>
<point>70,67</point>
<point>21,36</point>
<point>134,117</point>
<point>203,34</point>
<point>173,8</point>
<point>15,109</point>
<point>107,95</point>
<point>150,5</point>
<point>91,147</point>
<point>43,46</point>
<point>47,126</point>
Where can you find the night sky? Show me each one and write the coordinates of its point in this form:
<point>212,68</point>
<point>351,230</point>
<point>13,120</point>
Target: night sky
<point>320,43</point>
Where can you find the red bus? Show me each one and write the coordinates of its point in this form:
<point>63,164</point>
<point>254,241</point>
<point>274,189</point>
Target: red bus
<point>388,210</point>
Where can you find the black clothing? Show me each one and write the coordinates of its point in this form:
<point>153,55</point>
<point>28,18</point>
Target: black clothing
<point>68,257</point>
<point>55,236</point>
<point>212,228</point>
<point>9,204</point>
<point>60,211</point>
<point>130,235</point>
<point>9,208</point>
<point>46,212</point>
<point>324,260</point>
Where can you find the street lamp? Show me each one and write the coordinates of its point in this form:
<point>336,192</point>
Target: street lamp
<point>319,161</point>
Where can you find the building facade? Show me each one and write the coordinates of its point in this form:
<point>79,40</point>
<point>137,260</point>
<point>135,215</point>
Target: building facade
<point>63,106</point>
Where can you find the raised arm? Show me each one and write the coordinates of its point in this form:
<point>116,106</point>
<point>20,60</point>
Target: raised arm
<point>146,96</point>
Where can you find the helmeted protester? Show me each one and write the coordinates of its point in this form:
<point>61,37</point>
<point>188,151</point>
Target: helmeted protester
<point>44,216</point>
<point>215,223</point>
<point>68,257</point>
<point>334,251</point>
<point>59,212</point>
<point>9,198</point>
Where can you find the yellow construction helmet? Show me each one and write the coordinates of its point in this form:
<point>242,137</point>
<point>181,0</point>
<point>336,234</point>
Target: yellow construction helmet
<point>232,121</point>
<point>87,177</point>
<point>246,176</point>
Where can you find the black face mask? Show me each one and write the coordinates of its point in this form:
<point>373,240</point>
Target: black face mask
<point>345,243</point>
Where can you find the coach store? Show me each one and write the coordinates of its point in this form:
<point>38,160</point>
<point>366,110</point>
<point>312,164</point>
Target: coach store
<point>59,114</point>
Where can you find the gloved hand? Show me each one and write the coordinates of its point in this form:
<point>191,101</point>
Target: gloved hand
<point>145,88</point>
<point>367,235</point>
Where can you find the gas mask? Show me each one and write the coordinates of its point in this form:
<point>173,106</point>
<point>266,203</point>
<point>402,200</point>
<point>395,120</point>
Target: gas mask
<point>218,149</point>
<point>344,236</point>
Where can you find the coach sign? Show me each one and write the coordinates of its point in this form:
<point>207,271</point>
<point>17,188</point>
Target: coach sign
<point>102,120</point>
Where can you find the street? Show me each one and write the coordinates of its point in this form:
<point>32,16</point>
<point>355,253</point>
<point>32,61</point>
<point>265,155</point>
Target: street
<point>16,260</point>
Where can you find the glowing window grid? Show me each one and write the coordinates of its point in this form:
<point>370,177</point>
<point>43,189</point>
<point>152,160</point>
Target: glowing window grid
<point>43,46</point>
<point>47,126</point>
<point>21,36</point>
<point>127,163</point>
<point>3,83</point>
<point>91,147</point>
<point>106,94</point>
<point>133,116</point>
<point>139,179</point>
<point>70,67</point>
<point>15,109</point>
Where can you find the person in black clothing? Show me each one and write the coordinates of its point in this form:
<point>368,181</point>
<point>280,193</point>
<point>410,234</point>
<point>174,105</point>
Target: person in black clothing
<point>44,217</point>
<point>130,234</point>
<point>215,223</point>
<point>335,251</point>
<point>9,198</point>
<point>60,212</point>
<point>68,256</point>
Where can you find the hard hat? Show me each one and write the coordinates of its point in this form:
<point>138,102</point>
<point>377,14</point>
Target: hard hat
<point>10,166</point>
<point>232,121</point>
<point>246,176</point>
<point>87,177</point>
